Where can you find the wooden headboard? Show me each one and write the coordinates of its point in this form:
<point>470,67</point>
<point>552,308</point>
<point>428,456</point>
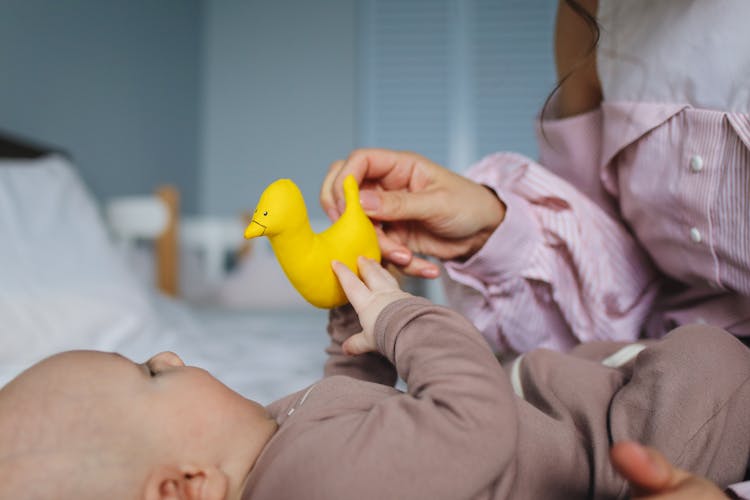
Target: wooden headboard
<point>166,244</point>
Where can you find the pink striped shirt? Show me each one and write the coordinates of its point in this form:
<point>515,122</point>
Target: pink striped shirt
<point>635,220</point>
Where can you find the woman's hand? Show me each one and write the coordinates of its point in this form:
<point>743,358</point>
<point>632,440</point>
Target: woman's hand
<point>369,297</point>
<point>652,477</point>
<point>421,207</point>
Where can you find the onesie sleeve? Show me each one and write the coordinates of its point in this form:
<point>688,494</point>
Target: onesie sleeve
<point>370,367</point>
<point>456,420</point>
<point>561,268</point>
<point>449,436</point>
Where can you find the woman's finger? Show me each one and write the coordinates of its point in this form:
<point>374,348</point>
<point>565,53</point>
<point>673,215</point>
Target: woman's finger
<point>356,166</point>
<point>403,258</point>
<point>645,468</point>
<point>375,276</point>
<point>421,268</point>
<point>392,250</point>
<point>327,200</point>
<point>392,170</point>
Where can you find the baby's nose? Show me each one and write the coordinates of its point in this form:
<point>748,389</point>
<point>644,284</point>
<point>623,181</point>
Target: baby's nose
<point>167,358</point>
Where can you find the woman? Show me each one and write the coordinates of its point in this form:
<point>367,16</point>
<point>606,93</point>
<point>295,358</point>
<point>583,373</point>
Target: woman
<point>635,220</point>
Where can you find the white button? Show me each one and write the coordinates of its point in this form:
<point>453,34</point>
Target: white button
<point>696,164</point>
<point>695,235</point>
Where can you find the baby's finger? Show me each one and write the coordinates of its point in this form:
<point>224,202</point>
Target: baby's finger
<point>357,344</point>
<point>356,291</point>
<point>375,276</point>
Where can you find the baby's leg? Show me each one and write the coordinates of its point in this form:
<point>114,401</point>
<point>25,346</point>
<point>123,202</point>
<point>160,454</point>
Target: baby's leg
<point>689,397</point>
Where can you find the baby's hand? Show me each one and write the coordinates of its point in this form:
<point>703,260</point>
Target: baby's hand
<point>368,298</point>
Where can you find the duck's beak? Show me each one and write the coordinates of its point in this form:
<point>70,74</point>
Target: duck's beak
<point>254,229</point>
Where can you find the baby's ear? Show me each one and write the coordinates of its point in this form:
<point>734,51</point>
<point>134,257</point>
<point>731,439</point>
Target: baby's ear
<point>186,483</point>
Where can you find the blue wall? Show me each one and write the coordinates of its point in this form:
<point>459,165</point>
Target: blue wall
<point>116,84</point>
<point>279,97</point>
<point>221,97</point>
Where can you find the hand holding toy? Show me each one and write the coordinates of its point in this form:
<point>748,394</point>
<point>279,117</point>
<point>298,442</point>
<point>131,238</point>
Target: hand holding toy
<point>306,256</point>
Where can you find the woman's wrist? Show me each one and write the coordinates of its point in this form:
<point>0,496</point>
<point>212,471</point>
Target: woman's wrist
<point>493,216</point>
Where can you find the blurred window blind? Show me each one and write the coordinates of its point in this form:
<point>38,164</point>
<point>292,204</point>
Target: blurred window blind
<point>405,48</point>
<point>454,79</point>
<point>512,44</point>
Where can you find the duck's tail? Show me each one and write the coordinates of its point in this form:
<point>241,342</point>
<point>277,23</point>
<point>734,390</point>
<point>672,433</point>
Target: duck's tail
<point>351,193</point>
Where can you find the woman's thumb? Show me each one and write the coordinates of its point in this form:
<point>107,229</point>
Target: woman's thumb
<point>395,205</point>
<point>645,468</point>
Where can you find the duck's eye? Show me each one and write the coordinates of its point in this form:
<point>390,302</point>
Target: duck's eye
<point>265,213</point>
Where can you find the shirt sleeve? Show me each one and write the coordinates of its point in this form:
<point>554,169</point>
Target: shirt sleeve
<point>562,268</point>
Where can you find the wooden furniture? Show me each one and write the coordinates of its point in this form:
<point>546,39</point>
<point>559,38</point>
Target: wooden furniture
<point>153,217</point>
<point>167,243</point>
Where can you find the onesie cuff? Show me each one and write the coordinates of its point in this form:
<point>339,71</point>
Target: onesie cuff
<point>392,320</point>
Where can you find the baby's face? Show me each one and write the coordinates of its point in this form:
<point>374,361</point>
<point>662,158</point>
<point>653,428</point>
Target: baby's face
<point>186,399</point>
<point>161,410</point>
<point>163,394</point>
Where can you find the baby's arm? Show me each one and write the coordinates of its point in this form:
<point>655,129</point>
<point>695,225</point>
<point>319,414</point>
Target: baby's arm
<point>371,367</point>
<point>454,432</point>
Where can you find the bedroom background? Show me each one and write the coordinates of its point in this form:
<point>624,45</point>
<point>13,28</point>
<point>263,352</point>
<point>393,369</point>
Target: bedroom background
<point>221,97</point>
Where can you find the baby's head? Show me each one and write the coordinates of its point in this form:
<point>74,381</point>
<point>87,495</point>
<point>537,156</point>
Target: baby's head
<point>87,424</point>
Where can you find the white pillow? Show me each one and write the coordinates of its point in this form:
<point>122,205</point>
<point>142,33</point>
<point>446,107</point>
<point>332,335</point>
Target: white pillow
<point>62,284</point>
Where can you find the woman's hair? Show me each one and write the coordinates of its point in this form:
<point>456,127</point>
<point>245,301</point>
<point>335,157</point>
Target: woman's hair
<point>593,27</point>
<point>589,19</point>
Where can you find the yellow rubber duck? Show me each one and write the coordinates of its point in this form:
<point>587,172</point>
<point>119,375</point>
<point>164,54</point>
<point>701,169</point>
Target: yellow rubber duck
<point>305,256</point>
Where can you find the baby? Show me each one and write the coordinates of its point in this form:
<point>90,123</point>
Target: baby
<point>92,425</point>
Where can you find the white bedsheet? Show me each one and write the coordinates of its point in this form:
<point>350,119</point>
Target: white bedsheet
<point>263,355</point>
<point>64,286</point>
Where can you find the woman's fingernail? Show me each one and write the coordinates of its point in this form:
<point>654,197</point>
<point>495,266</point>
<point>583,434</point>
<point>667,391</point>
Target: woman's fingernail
<point>401,258</point>
<point>430,272</point>
<point>332,214</point>
<point>640,452</point>
<point>370,201</point>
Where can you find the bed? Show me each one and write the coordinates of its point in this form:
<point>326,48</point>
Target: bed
<point>64,285</point>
